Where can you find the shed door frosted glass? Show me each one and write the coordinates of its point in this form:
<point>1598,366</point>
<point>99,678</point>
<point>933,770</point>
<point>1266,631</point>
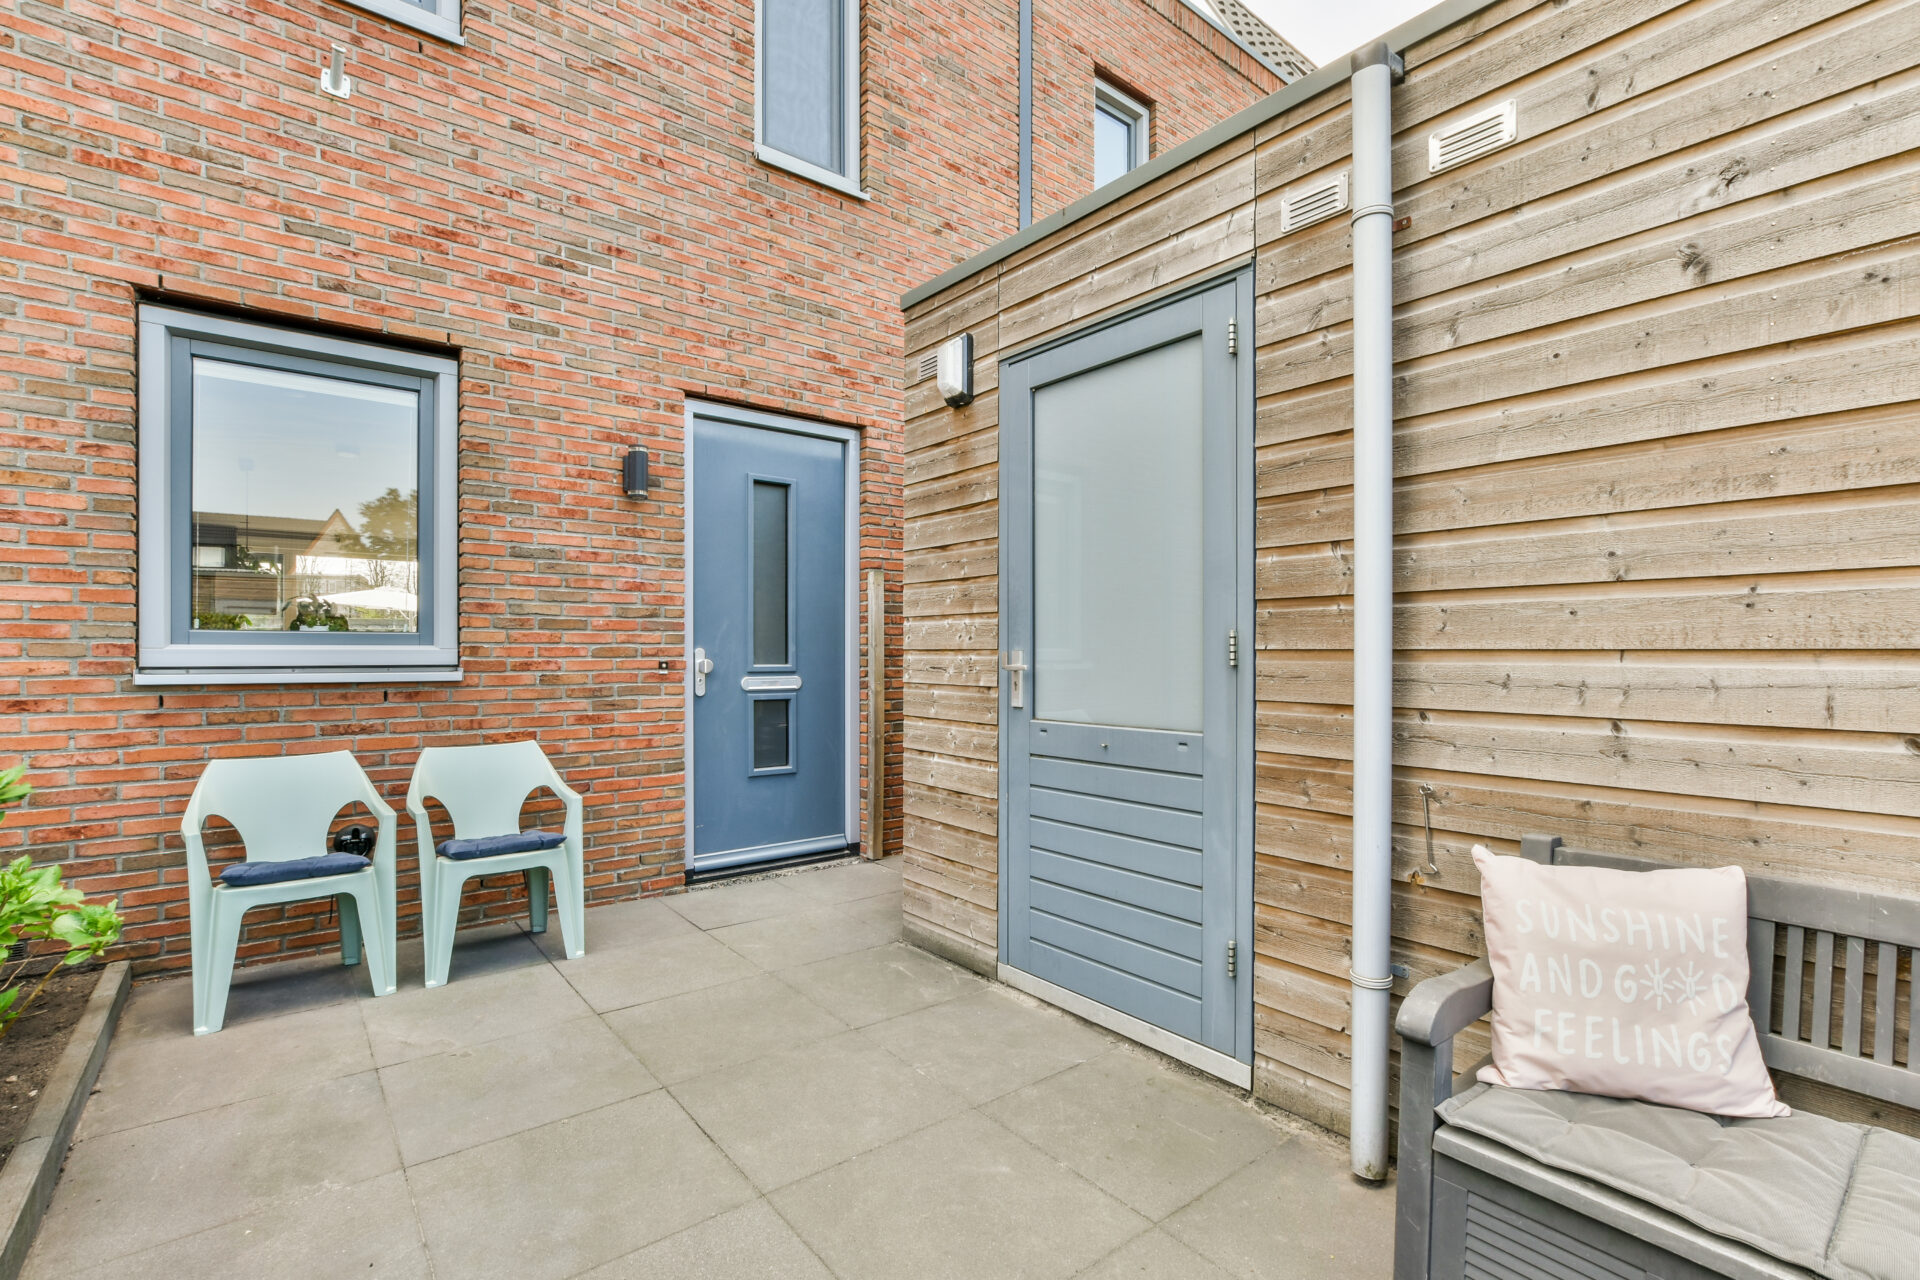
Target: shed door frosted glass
<point>803,59</point>
<point>1123,863</point>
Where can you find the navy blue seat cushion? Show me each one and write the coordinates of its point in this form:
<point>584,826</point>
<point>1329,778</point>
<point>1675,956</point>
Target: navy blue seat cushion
<point>243,875</point>
<point>493,846</point>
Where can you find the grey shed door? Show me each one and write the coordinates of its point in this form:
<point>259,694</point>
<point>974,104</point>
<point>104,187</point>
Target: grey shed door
<point>1125,872</point>
<point>771,722</point>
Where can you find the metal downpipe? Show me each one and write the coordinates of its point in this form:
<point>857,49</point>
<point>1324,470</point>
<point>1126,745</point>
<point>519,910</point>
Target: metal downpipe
<point>1373,74</point>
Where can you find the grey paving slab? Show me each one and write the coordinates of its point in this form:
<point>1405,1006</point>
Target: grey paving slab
<point>1155,1256</point>
<point>735,902</point>
<point>989,1042</point>
<point>962,1200</point>
<point>130,1190</point>
<point>558,1200</point>
<point>366,1229</point>
<point>451,1101</point>
<point>748,1243</point>
<point>689,1035</point>
<point>476,952</point>
<point>881,982</point>
<point>1295,1214</point>
<point>626,976</point>
<point>793,1113</point>
<point>618,924</point>
<point>1151,1134</point>
<point>165,1007</point>
<point>418,1021</point>
<point>151,1077</point>
<point>789,941</point>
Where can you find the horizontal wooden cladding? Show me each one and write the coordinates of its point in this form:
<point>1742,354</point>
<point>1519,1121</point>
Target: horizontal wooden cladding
<point>1831,612</point>
<point>1875,773</point>
<point>1872,693</point>
<point>1795,301</point>
<point>1699,76</point>
<point>1837,213</point>
<point>1780,840</point>
<point>1836,531</point>
<point>1874,448</point>
<point>1820,375</point>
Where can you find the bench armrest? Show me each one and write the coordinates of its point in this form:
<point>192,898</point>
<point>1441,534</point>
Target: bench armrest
<point>1441,1008</point>
<point>1430,1017</point>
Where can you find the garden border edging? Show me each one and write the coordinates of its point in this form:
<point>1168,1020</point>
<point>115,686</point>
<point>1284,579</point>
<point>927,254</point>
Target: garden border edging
<point>26,1183</point>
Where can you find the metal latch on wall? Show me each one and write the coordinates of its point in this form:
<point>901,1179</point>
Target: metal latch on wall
<point>1016,668</point>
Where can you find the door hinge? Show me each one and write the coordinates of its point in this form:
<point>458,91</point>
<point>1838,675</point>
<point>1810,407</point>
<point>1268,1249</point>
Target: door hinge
<point>1233,647</point>
<point>1233,336</point>
<point>1233,957</point>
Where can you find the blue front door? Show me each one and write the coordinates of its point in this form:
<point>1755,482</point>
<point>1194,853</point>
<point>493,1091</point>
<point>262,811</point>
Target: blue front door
<point>771,717</point>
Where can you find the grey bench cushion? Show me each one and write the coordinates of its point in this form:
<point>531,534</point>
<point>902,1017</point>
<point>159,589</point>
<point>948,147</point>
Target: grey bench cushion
<point>1837,1199</point>
<point>494,846</point>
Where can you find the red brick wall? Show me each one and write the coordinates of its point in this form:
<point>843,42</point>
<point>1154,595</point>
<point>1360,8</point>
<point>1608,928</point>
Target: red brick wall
<point>570,202</point>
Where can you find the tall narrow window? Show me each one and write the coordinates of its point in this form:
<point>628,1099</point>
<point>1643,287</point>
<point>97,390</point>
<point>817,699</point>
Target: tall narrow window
<point>1120,129</point>
<point>296,503</point>
<point>770,570</point>
<point>807,117</point>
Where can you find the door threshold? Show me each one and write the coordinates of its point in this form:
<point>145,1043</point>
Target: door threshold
<point>743,870</point>
<point>1198,1056</point>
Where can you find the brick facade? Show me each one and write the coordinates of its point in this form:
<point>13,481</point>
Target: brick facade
<point>570,203</point>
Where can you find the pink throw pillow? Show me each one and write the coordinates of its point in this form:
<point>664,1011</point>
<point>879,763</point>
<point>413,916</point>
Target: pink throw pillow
<point>1631,984</point>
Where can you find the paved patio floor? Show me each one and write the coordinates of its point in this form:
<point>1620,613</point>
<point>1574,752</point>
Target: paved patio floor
<point>752,1080</point>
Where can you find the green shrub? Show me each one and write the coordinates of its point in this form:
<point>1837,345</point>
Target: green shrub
<point>36,907</point>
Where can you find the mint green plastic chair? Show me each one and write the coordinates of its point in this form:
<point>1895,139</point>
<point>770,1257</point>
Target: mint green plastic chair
<point>283,807</point>
<point>482,789</point>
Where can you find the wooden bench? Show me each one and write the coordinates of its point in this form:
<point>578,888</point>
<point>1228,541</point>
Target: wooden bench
<point>1471,1207</point>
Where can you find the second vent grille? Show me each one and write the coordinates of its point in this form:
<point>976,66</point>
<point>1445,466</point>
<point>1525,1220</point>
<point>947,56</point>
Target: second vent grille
<point>1313,202</point>
<point>1473,136</point>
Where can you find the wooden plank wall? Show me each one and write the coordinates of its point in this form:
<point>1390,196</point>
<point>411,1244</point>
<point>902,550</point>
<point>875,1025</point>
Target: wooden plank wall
<point>1658,496</point>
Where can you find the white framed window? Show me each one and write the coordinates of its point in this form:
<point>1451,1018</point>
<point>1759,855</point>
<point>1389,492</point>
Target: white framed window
<point>297,505</point>
<point>1121,129</point>
<point>806,69</point>
<point>438,18</point>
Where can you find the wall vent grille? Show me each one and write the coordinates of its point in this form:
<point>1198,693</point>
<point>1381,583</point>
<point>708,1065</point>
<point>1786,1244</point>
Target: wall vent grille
<point>929,366</point>
<point>1473,136</point>
<point>1313,202</point>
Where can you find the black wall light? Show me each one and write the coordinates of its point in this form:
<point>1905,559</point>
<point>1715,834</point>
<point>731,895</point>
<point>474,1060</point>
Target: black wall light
<point>633,474</point>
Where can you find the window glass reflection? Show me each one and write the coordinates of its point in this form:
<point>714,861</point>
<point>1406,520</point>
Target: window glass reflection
<point>305,502</point>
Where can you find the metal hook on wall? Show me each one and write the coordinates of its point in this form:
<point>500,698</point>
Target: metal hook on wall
<point>1426,810</point>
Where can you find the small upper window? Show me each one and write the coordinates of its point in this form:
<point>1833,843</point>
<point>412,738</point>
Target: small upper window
<point>807,99</point>
<point>1120,129</point>
<point>296,503</point>
<point>439,18</point>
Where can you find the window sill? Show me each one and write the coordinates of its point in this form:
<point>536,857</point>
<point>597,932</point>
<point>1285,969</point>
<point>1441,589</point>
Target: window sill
<point>291,675</point>
<point>436,25</point>
<point>811,172</point>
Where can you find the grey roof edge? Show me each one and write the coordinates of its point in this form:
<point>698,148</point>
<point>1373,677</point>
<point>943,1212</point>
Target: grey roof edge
<point>1421,26</point>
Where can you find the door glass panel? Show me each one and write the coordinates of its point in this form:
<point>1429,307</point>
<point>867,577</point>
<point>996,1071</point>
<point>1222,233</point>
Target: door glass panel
<point>1117,566</point>
<point>769,574</point>
<point>772,743</point>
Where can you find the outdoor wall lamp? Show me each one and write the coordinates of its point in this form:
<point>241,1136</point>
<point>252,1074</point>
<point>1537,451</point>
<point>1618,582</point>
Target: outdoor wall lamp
<point>633,474</point>
<point>953,371</point>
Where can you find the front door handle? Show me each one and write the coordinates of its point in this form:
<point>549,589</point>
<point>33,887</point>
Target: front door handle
<point>702,668</point>
<point>1016,668</point>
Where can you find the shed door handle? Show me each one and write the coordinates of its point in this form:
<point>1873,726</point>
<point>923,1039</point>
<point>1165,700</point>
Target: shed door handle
<point>702,668</point>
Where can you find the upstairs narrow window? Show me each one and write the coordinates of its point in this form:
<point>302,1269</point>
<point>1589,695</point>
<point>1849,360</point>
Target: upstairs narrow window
<point>1120,128</point>
<point>807,68</point>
